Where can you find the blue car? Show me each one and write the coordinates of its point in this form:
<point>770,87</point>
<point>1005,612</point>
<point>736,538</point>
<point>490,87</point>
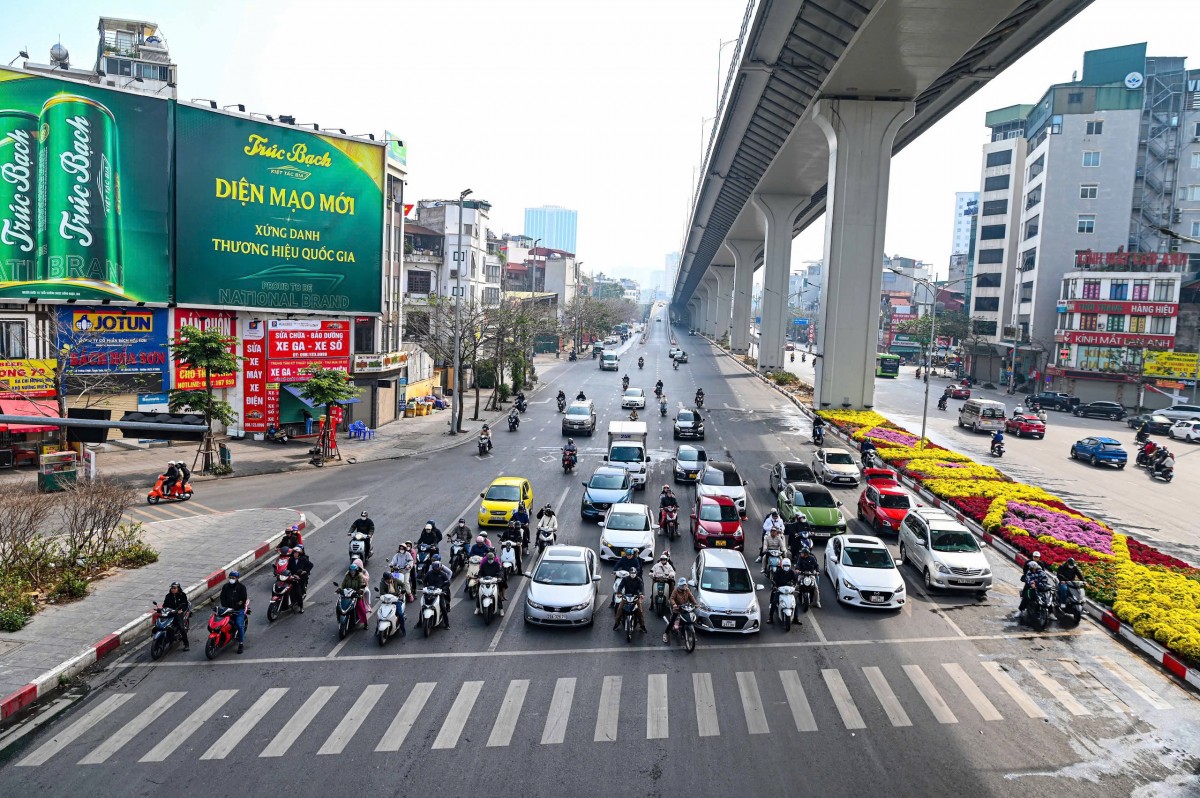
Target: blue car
<point>1099,451</point>
<point>608,486</point>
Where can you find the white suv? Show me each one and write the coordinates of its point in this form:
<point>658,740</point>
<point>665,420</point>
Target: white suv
<point>722,479</point>
<point>1180,412</point>
<point>944,551</point>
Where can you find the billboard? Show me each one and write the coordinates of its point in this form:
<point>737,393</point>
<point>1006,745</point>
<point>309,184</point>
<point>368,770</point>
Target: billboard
<point>1170,364</point>
<point>254,386</point>
<point>192,379</point>
<point>104,339</point>
<point>295,344</point>
<point>83,192</point>
<point>22,379</point>
<point>276,217</point>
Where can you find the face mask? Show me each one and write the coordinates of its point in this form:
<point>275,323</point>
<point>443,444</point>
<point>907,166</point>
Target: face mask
<point>233,581</point>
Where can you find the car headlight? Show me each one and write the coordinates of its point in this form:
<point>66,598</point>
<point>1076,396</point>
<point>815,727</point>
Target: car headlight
<point>899,589</point>
<point>986,572</point>
<point>752,607</point>
<point>848,584</point>
<point>703,606</point>
<point>587,502</point>
<point>941,568</point>
<point>533,604</point>
<point>579,607</point>
<point>604,543</point>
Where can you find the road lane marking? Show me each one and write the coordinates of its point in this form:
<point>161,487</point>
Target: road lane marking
<point>706,705</point>
<point>560,712</point>
<point>1019,696</point>
<point>797,701</point>
<point>298,722</point>
<point>348,725</point>
<point>656,706</point>
<point>841,699</point>
<point>114,742</point>
<point>933,699</point>
<point>752,706</point>
<point>76,730</point>
<point>456,720</point>
<point>179,735</point>
<point>393,738</point>
<point>1054,688</point>
<point>986,708</point>
<point>887,699</point>
<point>1133,683</point>
<point>510,711</point>
<point>1103,693</point>
<point>610,710</point>
<point>230,739</point>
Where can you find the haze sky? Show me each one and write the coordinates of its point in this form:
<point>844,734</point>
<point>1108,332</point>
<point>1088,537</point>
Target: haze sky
<point>595,105</point>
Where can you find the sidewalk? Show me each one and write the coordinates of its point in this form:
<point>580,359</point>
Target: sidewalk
<point>402,438</point>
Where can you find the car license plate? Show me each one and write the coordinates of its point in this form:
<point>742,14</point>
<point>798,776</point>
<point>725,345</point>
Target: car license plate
<point>557,616</point>
<point>961,582</point>
<point>876,599</point>
<point>692,474</point>
<point>719,542</point>
<point>728,624</point>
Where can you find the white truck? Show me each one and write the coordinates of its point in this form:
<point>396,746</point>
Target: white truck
<point>610,361</point>
<point>627,448</point>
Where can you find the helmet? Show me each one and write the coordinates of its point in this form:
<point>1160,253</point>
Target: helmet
<point>235,574</point>
<point>294,528</point>
<point>490,556</point>
<point>569,441</point>
<point>437,558</point>
<point>1070,561</point>
<point>666,555</point>
<point>774,511</point>
<point>785,563</point>
<point>175,585</point>
<point>1037,555</point>
<point>357,562</point>
<point>462,522</point>
<point>429,522</point>
<point>1034,567</point>
<point>363,514</point>
<point>353,567</point>
<point>630,552</point>
<point>298,547</point>
<point>480,538</point>
<point>428,528</point>
<point>170,464</point>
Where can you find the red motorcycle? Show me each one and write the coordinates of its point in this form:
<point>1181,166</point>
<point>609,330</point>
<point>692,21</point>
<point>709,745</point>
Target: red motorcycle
<point>670,521</point>
<point>222,630</point>
<point>283,594</point>
<point>180,492</point>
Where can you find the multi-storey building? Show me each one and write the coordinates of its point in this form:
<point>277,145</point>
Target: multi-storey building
<point>130,55</point>
<point>554,225</point>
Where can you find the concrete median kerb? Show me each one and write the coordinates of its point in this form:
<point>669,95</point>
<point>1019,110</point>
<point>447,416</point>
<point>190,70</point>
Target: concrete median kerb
<point>59,676</point>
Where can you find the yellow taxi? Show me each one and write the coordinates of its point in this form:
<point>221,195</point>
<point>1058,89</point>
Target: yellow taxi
<point>501,498</point>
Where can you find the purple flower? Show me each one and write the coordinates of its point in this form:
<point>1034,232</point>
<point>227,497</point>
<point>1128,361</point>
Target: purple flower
<point>1039,521</point>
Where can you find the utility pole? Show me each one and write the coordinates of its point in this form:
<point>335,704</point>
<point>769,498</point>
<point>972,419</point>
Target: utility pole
<point>460,260</point>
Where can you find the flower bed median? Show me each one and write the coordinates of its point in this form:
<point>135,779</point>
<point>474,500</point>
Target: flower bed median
<point>1158,595</point>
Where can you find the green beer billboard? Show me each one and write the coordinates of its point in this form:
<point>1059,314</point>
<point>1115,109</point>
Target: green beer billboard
<point>272,216</point>
<point>83,192</point>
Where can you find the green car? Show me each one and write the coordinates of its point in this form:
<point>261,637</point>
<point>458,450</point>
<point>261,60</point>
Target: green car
<point>816,504</point>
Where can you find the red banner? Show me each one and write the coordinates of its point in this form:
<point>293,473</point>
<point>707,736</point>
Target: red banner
<point>190,379</point>
<point>1142,259</point>
<point>254,388</point>
<point>1119,308</point>
<point>1101,338</point>
<point>310,339</point>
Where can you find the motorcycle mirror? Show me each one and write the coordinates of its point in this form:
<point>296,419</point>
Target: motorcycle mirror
<point>760,587</point>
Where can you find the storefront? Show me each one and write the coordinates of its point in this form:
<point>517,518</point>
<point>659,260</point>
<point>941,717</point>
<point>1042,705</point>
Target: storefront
<point>26,389</point>
<point>381,379</point>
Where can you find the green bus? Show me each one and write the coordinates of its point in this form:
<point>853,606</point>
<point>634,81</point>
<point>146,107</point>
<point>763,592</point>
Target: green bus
<point>887,365</point>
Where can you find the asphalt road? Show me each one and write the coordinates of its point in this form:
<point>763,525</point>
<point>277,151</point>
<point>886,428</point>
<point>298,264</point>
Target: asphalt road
<point>945,693</point>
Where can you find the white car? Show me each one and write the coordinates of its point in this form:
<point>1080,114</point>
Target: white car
<point>562,590</point>
<point>1180,412</point>
<point>673,352</point>
<point>834,466</point>
<point>722,479</point>
<point>633,397</point>
<point>863,573</point>
<point>612,340</point>
<point>725,592</point>
<point>627,526</point>
<point>944,551</point>
<point>1185,430</point>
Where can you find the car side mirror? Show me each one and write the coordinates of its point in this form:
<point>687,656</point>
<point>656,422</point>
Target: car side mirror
<point>839,504</point>
<point>584,484</point>
<point>605,458</point>
<point>596,578</point>
<point>481,495</point>
<point>692,516</point>
<point>646,459</point>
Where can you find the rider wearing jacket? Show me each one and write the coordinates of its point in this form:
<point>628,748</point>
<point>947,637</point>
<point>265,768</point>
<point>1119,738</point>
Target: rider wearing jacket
<point>572,450</point>
<point>772,527</point>
<point>997,440</point>
<point>403,562</point>
<point>437,577</point>
<point>783,575</point>
<point>682,594</point>
<point>629,561</point>
<point>234,597</point>
<point>490,566</point>
<point>171,476</point>
<point>631,585</point>
<point>430,535</point>
<point>1067,572</point>
<point>514,534</point>
<point>365,525</point>
<point>663,569</point>
<point>300,566</point>
<point>548,522</point>
<point>521,516</point>
<point>177,600</point>
<point>479,548</point>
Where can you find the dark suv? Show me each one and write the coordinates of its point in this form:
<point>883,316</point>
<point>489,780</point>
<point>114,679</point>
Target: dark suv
<point>1052,400</point>
<point>1101,410</point>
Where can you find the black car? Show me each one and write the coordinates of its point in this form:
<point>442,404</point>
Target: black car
<point>786,471</point>
<point>1100,410</point>
<point>1158,424</point>
<point>689,424</point>
<point>689,462</point>
<point>1052,400</point>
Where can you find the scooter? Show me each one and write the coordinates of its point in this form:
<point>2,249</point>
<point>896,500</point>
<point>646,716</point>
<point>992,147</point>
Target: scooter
<point>425,552</point>
<point>675,365</point>
<point>1165,474</point>
<point>281,563</point>
<point>997,450</point>
<point>787,606</point>
<point>431,609</point>
<point>458,556</point>
<point>685,627</point>
<point>616,597</point>
<point>514,421</point>
<point>180,492</point>
<point>222,630</point>
<point>699,401</point>
<point>662,408</point>
<point>358,546</point>
<point>810,592</point>
<point>545,537</point>
<point>870,459</point>
<point>771,560</point>
<point>658,597</point>
<point>472,579</point>
<point>562,404</point>
<point>508,557</point>
<point>572,357</point>
<point>483,445</point>
<point>389,618</point>
<point>641,362</point>
<point>346,609</point>
<point>282,595</point>
<point>522,405</point>
<point>942,403</point>
<point>165,634</point>
<point>624,383</point>
<point>670,524</point>
<point>1143,456</point>
<point>1039,607</point>
<point>1070,611</point>
<point>818,436</point>
<point>568,462</point>
<point>629,621</point>
<point>488,600</point>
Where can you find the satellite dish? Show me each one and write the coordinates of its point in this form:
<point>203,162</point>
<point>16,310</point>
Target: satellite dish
<point>59,54</point>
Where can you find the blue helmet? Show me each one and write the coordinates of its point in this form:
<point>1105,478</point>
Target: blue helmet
<point>437,558</point>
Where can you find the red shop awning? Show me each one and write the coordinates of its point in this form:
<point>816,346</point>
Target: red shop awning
<point>29,407</point>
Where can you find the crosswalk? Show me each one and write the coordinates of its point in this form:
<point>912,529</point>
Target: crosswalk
<point>281,721</point>
<point>170,511</point>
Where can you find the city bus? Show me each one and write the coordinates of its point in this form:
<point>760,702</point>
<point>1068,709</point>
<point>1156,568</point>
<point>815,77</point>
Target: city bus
<point>887,365</point>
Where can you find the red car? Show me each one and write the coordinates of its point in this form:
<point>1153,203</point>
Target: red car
<point>875,476</point>
<point>1025,425</point>
<point>716,523</point>
<point>884,507</point>
<point>960,392</point>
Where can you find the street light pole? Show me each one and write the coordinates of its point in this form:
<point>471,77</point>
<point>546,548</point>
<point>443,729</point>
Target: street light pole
<point>461,259</point>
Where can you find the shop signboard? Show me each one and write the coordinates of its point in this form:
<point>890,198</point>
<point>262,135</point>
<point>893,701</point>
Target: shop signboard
<point>83,192</point>
<point>277,217</point>
<point>254,370</point>
<point>369,363</point>
<point>1097,338</point>
<point>104,339</point>
<point>1170,364</point>
<point>20,379</point>
<point>192,379</point>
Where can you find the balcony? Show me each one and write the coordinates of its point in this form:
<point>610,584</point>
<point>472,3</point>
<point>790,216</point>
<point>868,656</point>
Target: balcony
<point>424,257</point>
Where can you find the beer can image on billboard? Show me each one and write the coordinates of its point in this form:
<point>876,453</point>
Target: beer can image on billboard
<point>79,195</point>
<point>18,196</point>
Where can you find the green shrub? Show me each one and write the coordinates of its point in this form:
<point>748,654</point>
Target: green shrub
<point>137,555</point>
<point>783,378</point>
<point>71,586</point>
<point>17,605</point>
<point>13,619</point>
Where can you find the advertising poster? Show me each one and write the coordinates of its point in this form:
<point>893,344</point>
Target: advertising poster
<point>192,379</point>
<point>103,339</point>
<point>277,217</point>
<point>295,344</point>
<point>1170,364</point>
<point>21,379</point>
<point>83,192</point>
<point>254,368</point>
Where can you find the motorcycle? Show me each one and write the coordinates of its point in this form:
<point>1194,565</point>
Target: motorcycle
<point>562,404</point>
<point>699,401</point>
<point>389,619</point>
<point>670,523</point>
<point>573,357</point>
<point>771,560</point>
<point>165,634</point>
<point>1039,606</point>
<point>1070,611</point>
<point>870,459</point>
<point>545,537</point>
<point>521,405</point>
<point>346,609</point>
<point>659,596</point>
<point>508,557</point>
<point>658,391</point>
<point>281,563</point>
<point>616,597</point>
<point>630,619</point>
<point>787,606</point>
<point>431,609</point>
<point>514,421</point>
<point>942,403</point>
<point>483,445</point>
<point>425,552</point>
<point>1143,456</point>
<point>282,595</point>
<point>458,556</point>
<point>180,492</point>
<point>488,600</point>
<point>685,626</point>
<point>472,579</point>
<point>818,436</point>
<point>222,630</point>
<point>997,450</point>
<point>568,462</point>
<point>641,362</point>
<point>358,546</point>
<point>809,590</point>
<point>675,365</point>
<point>662,408</point>
<point>1165,474</point>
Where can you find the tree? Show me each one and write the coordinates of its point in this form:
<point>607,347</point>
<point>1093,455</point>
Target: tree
<point>207,350</point>
<point>436,336</point>
<point>327,387</point>
<point>950,324</point>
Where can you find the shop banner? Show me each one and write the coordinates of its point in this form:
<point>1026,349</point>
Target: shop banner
<point>273,216</point>
<point>102,340</point>
<point>1170,364</point>
<point>83,192</point>
<point>20,379</point>
<point>295,344</point>
<point>192,379</point>
<point>254,369</point>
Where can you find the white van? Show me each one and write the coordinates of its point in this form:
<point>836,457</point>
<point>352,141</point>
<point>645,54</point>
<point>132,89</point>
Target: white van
<point>981,415</point>
<point>609,361</point>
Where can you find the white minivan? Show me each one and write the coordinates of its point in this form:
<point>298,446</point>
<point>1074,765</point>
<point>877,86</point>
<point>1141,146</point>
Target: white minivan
<point>981,415</point>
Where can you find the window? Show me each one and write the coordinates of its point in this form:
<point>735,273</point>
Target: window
<point>995,207</point>
<point>1116,323</point>
<point>1137,324</point>
<point>986,280</point>
<point>1141,290</point>
<point>989,256</point>
<point>1037,167</point>
<point>1031,226</point>
<point>1091,157</point>
<point>1087,321</point>
<point>1196,159</point>
<point>983,327</point>
<point>1088,191</point>
<point>1075,98</point>
<point>1160,325</point>
<point>999,158</point>
<point>1091,289</point>
<point>420,282</point>
<point>997,183</point>
<point>987,303</point>
<point>1028,259</point>
<point>1056,124</point>
<point>1033,197</point>
<point>1196,131</point>
<point>1195,229</point>
<point>1027,292</point>
<point>1095,128</point>
<point>364,335</point>
<point>12,340</point>
<point>1164,290</point>
<point>991,232</point>
<point>1086,223</point>
<point>1191,193</point>
<point>1118,289</point>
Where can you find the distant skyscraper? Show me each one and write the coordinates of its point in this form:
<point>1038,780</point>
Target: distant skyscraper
<point>966,205</point>
<point>671,262</point>
<point>554,225</point>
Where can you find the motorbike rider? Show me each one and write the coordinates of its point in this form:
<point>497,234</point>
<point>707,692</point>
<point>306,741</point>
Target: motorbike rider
<point>521,516</point>
<point>234,597</point>
<point>1067,572</point>
<point>490,566</point>
<point>641,362</point>
<point>1164,462</point>
<point>666,499</point>
<point>772,529</point>
<point>185,473</point>
<point>783,575</point>
<point>807,562</point>
<point>439,577</point>
<point>625,382</point>
<point>170,477</point>
<point>572,450</point>
<point>479,548</point>
<point>300,566</point>
<point>177,600</point>
<point>365,525</point>
<point>548,522</point>
<point>662,404</point>
<point>1033,578</point>
<point>699,396</point>
<point>486,434</point>
<point>943,400</point>
<point>403,563</point>
<point>580,397</point>
<point>1033,563</point>
<point>514,418</point>
<point>663,570</point>
<point>658,388</point>
<point>631,585</point>
<point>682,594</point>
<point>291,537</point>
<point>629,561</point>
<point>799,536</point>
<point>867,450</point>
<point>356,579</point>
<point>460,533</point>
<point>430,535</point>
<point>997,440</point>
<point>512,533</point>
